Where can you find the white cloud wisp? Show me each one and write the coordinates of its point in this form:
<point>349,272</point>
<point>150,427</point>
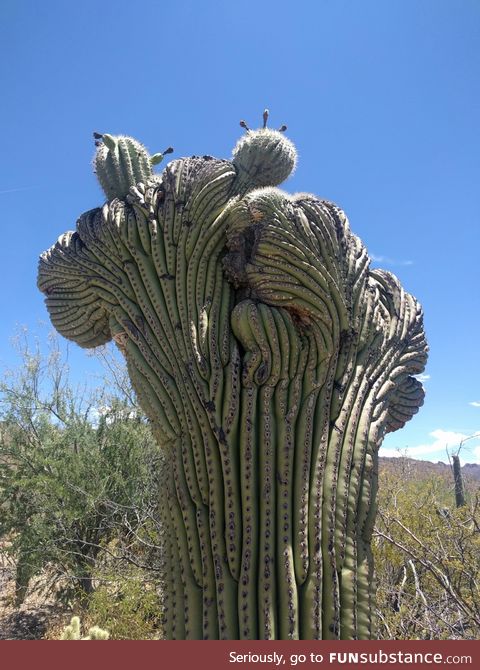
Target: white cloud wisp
<point>443,441</point>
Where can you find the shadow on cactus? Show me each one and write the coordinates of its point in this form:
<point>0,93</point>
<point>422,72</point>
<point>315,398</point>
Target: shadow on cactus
<point>271,361</point>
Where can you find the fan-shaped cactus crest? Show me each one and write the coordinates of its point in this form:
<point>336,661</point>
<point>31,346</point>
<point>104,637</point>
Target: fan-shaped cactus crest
<point>271,361</point>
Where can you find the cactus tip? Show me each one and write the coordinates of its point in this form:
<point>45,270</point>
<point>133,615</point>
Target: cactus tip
<point>158,158</point>
<point>264,155</point>
<point>110,141</point>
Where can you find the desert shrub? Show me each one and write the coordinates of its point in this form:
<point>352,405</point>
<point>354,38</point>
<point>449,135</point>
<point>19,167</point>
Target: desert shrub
<point>128,604</point>
<point>427,557</point>
<point>79,475</point>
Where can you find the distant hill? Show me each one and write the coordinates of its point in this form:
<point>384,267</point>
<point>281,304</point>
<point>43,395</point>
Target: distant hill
<point>472,470</point>
<point>410,467</point>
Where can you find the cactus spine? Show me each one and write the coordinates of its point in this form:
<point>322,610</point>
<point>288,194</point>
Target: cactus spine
<point>271,361</point>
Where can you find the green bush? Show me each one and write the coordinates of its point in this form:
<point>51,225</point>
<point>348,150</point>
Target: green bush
<point>427,555</point>
<point>127,605</point>
<point>78,476</point>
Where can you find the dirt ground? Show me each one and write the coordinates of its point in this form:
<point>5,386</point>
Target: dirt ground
<point>34,619</point>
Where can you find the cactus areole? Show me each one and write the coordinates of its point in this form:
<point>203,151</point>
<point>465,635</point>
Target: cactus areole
<point>271,360</point>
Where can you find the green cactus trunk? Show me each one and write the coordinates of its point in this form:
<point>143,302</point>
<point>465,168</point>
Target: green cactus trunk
<point>271,362</point>
<point>458,481</point>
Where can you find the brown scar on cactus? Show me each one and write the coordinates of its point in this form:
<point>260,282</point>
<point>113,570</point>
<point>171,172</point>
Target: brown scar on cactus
<point>271,361</point>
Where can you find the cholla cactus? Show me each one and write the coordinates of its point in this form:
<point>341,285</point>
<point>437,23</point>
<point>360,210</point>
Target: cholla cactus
<point>72,632</point>
<point>271,361</point>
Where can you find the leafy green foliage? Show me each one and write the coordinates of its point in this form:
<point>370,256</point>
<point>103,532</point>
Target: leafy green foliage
<point>129,605</point>
<point>77,471</point>
<point>427,558</point>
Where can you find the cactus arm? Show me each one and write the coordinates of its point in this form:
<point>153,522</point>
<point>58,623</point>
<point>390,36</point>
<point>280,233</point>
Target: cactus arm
<point>267,588</point>
<point>231,463</point>
<point>121,163</point>
<point>273,329</point>
<point>188,509</point>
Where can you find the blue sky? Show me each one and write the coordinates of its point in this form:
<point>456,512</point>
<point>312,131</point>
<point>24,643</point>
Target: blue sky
<point>381,98</point>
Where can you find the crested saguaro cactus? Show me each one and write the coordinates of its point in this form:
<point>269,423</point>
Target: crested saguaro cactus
<point>271,361</point>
